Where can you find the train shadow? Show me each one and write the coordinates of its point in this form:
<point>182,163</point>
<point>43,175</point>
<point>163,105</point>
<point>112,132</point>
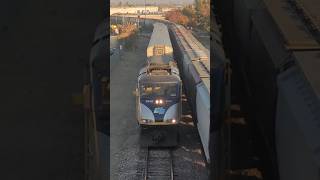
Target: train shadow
<point>186,118</point>
<point>164,136</point>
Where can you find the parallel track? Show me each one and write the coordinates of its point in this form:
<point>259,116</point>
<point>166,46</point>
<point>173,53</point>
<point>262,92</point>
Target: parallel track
<point>159,164</point>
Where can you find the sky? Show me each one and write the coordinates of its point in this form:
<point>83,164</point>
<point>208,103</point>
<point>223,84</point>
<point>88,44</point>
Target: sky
<point>152,1</point>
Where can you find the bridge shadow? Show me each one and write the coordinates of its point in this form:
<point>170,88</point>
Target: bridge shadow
<point>186,118</point>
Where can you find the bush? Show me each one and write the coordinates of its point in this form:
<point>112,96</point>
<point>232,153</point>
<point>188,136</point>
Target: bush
<point>176,16</point>
<point>198,14</point>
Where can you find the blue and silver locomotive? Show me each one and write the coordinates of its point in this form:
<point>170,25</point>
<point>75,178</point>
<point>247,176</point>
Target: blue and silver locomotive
<point>159,93</point>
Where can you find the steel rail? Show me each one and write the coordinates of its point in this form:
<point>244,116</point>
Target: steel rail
<point>147,161</point>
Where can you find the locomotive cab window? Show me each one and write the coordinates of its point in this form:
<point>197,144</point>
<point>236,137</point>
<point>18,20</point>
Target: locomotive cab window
<point>161,89</point>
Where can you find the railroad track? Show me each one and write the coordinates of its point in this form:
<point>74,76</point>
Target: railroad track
<point>159,164</point>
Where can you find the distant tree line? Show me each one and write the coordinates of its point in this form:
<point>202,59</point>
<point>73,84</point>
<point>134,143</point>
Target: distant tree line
<point>195,15</point>
<point>177,17</point>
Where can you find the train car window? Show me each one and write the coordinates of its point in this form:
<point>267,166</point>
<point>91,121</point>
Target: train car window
<point>146,90</point>
<point>164,89</point>
<point>172,90</point>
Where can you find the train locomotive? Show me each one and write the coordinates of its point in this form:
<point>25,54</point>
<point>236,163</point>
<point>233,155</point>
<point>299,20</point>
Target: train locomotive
<point>159,87</point>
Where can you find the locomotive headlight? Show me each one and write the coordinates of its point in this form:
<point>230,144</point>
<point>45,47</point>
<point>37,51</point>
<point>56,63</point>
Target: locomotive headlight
<point>159,101</point>
<point>174,121</point>
<point>146,121</point>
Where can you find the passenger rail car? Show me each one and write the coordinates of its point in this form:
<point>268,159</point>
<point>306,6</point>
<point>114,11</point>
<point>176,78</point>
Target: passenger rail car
<point>160,43</point>
<point>158,90</point>
<point>194,64</point>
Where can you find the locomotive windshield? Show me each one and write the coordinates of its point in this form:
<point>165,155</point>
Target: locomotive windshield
<point>159,89</point>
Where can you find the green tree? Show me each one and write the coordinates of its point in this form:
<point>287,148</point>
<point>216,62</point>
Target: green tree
<point>188,11</point>
<point>202,8</point>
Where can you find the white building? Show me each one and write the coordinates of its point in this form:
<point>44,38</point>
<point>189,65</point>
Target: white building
<point>134,10</point>
<point>166,9</point>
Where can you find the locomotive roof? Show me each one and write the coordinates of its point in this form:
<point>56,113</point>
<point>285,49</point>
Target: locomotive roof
<point>160,60</point>
<point>160,35</point>
<point>159,79</point>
